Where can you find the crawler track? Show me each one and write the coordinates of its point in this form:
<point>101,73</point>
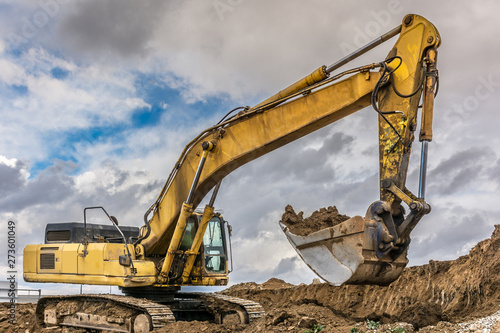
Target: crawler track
<point>73,314</point>
<point>129,314</point>
<point>253,309</point>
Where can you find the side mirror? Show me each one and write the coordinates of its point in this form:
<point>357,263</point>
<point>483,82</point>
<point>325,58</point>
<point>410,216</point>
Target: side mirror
<point>114,220</point>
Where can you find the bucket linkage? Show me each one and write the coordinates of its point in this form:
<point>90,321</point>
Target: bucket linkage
<point>369,250</point>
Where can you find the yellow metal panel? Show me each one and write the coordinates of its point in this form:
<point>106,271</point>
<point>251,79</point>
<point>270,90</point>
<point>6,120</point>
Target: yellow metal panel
<point>90,279</point>
<point>112,268</point>
<point>69,258</point>
<point>417,35</point>
<point>92,269</point>
<point>93,262</point>
<point>210,281</point>
<point>30,258</point>
<point>113,251</point>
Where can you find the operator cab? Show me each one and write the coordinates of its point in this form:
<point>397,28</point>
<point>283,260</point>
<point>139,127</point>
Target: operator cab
<point>215,252</point>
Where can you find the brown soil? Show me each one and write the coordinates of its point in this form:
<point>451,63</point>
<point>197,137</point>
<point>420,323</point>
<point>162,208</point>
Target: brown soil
<point>451,291</point>
<point>429,298</point>
<point>320,219</point>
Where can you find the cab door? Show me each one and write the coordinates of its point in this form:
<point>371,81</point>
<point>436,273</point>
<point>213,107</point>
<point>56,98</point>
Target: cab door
<point>214,242</point>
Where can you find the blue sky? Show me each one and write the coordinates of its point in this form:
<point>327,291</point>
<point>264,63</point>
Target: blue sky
<point>98,99</point>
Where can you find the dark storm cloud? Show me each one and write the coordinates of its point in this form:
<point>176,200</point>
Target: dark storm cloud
<point>50,186</point>
<point>451,231</point>
<point>11,178</point>
<point>285,265</point>
<point>55,195</point>
<point>122,28</point>
<point>296,174</point>
<point>308,165</point>
<point>312,165</point>
<point>494,173</point>
<point>461,171</point>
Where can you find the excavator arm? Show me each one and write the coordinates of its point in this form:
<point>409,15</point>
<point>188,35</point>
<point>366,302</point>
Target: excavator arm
<point>394,87</point>
<point>173,248</point>
<point>247,137</point>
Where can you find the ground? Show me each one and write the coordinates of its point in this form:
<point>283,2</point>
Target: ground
<point>462,295</point>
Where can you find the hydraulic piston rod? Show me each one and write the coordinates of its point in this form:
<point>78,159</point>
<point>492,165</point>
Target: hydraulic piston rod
<point>186,211</point>
<point>427,114</point>
<point>208,213</point>
<point>423,169</point>
<point>207,147</point>
<point>323,72</point>
<point>362,50</point>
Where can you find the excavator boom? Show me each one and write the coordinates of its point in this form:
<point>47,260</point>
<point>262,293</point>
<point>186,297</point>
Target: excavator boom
<point>248,137</point>
<point>393,87</point>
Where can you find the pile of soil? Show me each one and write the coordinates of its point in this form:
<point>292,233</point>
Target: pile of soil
<point>441,291</point>
<point>320,219</point>
<point>272,283</point>
<point>435,297</point>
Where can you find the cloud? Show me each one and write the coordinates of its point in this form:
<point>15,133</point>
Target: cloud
<point>11,73</point>
<point>12,175</point>
<point>49,187</point>
<point>136,103</point>
<point>111,28</point>
<point>73,141</point>
<point>450,231</point>
<point>461,171</point>
<point>494,173</point>
<point>48,108</point>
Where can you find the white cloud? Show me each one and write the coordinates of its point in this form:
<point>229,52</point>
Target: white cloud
<point>257,48</point>
<point>11,73</point>
<point>136,103</point>
<point>10,162</point>
<point>89,96</point>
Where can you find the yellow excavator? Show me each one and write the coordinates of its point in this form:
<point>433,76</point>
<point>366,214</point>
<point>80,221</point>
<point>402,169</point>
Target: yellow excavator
<point>179,246</point>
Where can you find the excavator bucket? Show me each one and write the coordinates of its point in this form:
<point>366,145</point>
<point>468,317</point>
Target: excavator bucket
<point>352,252</point>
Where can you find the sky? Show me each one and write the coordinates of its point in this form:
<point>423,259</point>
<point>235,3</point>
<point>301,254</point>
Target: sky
<point>99,97</point>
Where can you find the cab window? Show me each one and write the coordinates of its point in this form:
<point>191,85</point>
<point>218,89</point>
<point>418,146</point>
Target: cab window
<point>189,234</point>
<point>213,240</point>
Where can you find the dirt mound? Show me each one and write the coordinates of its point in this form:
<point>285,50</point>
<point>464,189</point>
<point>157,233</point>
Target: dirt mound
<point>436,297</point>
<point>452,291</point>
<point>320,219</point>
<point>272,283</point>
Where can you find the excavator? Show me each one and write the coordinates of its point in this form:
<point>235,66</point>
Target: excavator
<point>179,245</point>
